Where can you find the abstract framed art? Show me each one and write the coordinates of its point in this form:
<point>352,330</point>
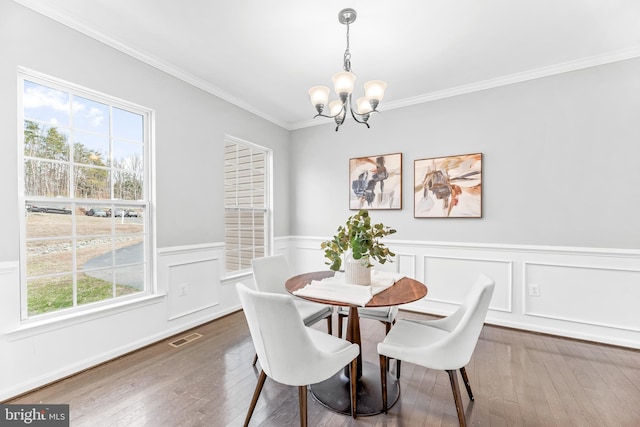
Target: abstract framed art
<point>448,187</point>
<point>375,182</point>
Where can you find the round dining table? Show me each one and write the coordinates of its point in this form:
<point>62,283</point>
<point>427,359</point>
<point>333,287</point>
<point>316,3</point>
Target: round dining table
<point>334,393</point>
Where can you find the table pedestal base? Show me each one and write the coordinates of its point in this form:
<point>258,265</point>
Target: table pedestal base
<point>334,392</point>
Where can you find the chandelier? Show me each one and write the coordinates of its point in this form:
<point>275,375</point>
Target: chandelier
<point>343,83</point>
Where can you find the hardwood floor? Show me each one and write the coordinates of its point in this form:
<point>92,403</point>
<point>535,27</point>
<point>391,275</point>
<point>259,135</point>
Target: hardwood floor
<point>518,379</point>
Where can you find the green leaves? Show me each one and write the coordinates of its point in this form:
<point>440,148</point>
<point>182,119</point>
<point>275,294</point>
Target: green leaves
<point>362,238</point>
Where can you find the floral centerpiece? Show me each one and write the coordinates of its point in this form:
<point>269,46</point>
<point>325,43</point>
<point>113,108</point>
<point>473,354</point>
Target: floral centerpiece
<point>359,241</point>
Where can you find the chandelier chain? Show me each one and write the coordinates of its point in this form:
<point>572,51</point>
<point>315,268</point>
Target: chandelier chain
<point>347,53</point>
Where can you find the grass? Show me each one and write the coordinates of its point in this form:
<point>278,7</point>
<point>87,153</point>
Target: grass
<point>56,293</point>
<point>53,293</point>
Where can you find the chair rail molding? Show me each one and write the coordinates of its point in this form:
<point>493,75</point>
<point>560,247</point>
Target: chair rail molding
<point>575,292</point>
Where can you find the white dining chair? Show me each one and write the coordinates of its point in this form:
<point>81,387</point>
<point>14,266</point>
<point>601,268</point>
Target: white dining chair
<point>446,344</point>
<point>290,352</point>
<point>270,273</point>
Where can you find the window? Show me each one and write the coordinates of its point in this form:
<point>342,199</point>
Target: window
<point>85,168</point>
<point>246,179</point>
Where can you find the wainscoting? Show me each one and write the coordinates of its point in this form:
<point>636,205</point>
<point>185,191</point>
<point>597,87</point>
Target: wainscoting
<point>189,290</point>
<point>191,277</point>
<point>589,294</point>
<point>583,293</point>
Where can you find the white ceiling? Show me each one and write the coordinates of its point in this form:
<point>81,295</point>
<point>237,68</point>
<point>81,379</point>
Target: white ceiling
<point>264,55</point>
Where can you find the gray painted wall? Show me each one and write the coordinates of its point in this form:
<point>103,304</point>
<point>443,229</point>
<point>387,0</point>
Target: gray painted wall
<point>560,153</point>
<point>190,128</point>
<point>561,161</point>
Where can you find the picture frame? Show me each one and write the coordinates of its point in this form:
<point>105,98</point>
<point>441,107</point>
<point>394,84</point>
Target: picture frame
<point>375,182</point>
<point>448,187</point>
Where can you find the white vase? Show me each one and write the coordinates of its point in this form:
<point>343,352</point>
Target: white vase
<point>356,271</point>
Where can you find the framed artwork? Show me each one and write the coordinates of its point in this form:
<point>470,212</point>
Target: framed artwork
<point>375,182</point>
<point>448,187</point>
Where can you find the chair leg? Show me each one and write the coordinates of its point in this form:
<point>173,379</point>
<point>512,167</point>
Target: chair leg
<point>256,394</point>
<point>353,369</point>
<point>387,328</point>
<point>340,325</point>
<point>397,369</point>
<point>383,381</point>
<point>453,378</point>
<point>255,360</point>
<point>302,399</point>
<point>463,372</point>
<point>330,325</point>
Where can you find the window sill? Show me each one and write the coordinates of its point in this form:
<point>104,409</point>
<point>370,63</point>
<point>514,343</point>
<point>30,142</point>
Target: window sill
<point>36,327</point>
<point>236,277</point>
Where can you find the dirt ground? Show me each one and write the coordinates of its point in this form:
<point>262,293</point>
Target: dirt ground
<point>46,253</point>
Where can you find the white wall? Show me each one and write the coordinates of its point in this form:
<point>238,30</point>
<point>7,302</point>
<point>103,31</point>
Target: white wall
<point>189,137</point>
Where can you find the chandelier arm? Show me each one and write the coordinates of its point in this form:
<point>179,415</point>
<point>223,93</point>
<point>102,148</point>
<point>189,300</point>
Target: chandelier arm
<point>353,114</point>
<point>334,116</point>
<point>324,115</point>
<point>365,114</point>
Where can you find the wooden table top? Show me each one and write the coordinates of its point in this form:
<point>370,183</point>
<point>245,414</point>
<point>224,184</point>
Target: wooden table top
<point>404,291</point>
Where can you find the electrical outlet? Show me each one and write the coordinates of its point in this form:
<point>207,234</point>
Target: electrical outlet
<point>183,289</point>
<point>534,290</point>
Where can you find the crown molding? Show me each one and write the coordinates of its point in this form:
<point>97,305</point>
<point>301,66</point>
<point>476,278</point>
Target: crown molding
<point>565,67</point>
<point>537,73</point>
<point>150,60</point>
<point>551,70</point>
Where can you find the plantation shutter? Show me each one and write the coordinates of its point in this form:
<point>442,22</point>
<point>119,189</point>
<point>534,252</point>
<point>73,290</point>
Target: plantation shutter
<point>245,178</point>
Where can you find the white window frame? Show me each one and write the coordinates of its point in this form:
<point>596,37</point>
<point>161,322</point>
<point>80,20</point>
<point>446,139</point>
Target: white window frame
<point>268,198</point>
<point>146,203</point>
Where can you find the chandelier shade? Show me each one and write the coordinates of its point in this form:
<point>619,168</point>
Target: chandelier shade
<point>364,105</point>
<point>335,108</point>
<point>343,85</point>
<point>319,96</point>
<point>374,91</point>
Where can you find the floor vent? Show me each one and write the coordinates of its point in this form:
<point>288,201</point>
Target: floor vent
<point>184,340</point>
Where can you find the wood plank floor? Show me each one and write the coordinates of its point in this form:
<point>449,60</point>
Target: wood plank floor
<point>518,378</point>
